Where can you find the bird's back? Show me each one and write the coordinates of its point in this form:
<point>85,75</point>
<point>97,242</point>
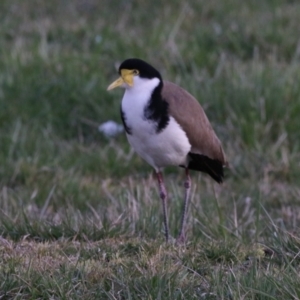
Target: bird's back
<point>187,111</point>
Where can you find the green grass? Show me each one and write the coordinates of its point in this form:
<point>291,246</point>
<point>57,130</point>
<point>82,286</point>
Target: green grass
<point>80,215</point>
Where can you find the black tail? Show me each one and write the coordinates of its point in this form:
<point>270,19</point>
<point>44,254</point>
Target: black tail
<point>202,163</point>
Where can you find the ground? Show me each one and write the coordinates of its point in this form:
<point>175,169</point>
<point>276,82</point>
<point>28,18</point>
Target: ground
<point>80,213</point>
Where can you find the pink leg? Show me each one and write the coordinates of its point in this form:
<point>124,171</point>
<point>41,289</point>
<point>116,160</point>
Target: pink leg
<point>163,196</point>
<point>187,185</point>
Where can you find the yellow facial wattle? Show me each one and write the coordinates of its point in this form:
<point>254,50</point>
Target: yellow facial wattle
<point>126,77</point>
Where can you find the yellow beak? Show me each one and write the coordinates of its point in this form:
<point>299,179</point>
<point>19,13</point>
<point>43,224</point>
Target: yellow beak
<point>126,77</point>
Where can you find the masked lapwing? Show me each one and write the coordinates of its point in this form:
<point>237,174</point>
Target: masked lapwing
<point>167,126</point>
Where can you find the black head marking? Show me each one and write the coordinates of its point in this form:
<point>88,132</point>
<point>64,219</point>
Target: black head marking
<point>146,70</point>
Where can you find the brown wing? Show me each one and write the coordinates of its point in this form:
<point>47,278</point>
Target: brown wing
<point>187,111</point>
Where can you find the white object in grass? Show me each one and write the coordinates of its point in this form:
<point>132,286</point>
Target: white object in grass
<point>110,128</point>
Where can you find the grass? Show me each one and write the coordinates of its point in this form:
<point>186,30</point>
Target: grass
<point>80,214</point>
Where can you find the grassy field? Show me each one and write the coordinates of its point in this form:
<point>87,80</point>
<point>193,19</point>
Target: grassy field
<point>80,215</point>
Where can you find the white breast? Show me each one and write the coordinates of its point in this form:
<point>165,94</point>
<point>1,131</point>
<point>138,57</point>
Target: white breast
<point>168,147</point>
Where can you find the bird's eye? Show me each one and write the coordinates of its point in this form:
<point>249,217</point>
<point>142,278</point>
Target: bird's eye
<point>135,72</point>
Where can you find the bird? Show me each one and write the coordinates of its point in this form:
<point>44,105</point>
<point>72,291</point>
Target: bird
<point>166,126</point>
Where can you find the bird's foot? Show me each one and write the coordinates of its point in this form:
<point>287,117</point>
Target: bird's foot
<point>170,240</point>
<point>181,239</point>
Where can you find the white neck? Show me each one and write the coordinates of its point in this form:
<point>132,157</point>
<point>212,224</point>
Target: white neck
<point>137,97</point>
